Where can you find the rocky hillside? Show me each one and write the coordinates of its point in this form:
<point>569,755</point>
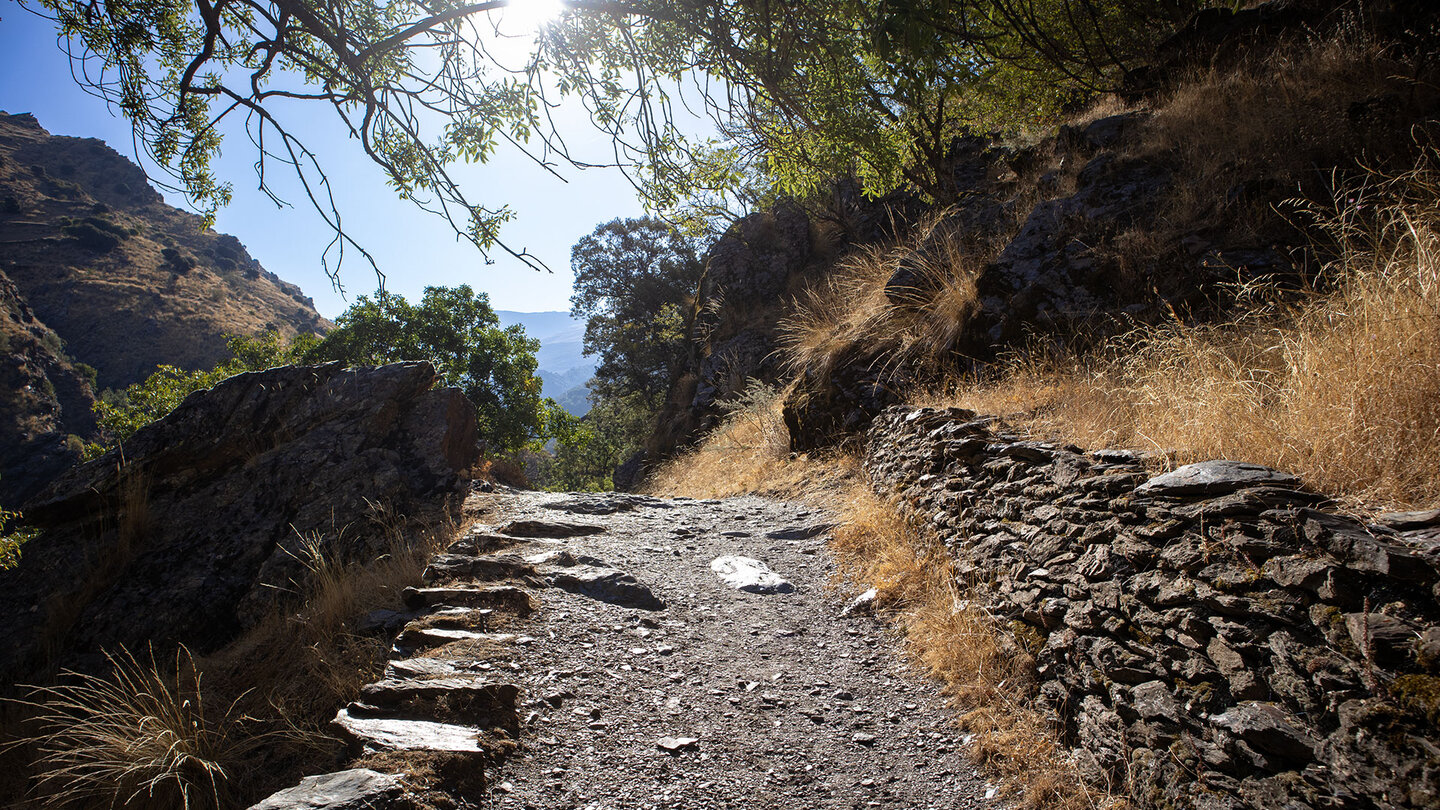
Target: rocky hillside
<point>48,399</point>
<point>99,272</point>
<point>1164,204</point>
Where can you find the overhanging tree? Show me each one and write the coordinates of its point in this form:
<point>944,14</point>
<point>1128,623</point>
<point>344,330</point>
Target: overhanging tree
<point>798,91</point>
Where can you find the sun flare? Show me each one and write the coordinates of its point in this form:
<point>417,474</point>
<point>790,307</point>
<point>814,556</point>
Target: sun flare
<point>528,15</point>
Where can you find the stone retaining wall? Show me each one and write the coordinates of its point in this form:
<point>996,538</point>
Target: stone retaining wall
<point>1218,635</point>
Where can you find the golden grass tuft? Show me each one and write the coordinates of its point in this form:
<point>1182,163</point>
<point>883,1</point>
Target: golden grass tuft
<point>1339,383</point>
<point>848,314</point>
<point>988,677</point>
<point>747,453</point>
<point>1281,115</point>
<point>143,737</point>
<point>138,737</point>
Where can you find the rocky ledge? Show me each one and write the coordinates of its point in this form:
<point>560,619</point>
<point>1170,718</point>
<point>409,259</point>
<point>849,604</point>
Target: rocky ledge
<point>1215,634</point>
<point>202,522</point>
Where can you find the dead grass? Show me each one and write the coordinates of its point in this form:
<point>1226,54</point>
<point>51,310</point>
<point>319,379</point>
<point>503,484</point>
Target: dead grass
<point>297,667</point>
<point>1279,120</point>
<point>139,737</point>
<point>918,325</point>
<point>1339,383</point>
<point>988,677</point>
<point>748,453</point>
<point>107,740</point>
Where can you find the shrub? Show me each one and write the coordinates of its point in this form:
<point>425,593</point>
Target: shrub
<point>90,237</point>
<point>140,737</point>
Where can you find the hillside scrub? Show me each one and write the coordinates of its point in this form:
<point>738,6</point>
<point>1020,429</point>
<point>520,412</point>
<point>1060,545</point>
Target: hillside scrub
<point>148,734</point>
<point>1339,382</point>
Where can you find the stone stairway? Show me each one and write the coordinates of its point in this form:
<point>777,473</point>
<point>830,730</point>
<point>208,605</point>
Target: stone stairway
<point>446,689</point>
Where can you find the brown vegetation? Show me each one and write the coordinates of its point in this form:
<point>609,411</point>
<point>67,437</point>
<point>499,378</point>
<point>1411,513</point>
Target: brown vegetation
<point>259,724</point>
<point>1339,382</point>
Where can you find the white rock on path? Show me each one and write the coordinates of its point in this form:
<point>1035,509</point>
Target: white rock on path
<point>749,574</point>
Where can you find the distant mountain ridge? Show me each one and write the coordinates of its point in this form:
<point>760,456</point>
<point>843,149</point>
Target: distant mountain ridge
<point>563,367</point>
<point>101,281</point>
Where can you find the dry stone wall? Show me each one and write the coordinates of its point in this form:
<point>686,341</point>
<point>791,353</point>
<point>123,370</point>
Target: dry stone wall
<point>1217,635</point>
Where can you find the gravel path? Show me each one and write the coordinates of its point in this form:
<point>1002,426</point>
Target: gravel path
<point>770,700</point>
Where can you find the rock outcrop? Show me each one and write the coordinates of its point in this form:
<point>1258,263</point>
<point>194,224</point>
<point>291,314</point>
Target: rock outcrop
<point>45,401</point>
<point>1216,633</point>
<point>204,521</point>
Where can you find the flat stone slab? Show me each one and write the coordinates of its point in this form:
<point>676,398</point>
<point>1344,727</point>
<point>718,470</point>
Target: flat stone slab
<point>387,734</point>
<point>398,690</point>
<point>504,597</point>
<point>674,745</point>
<point>355,789</point>
<point>1409,521</point>
<point>422,668</point>
<point>416,638</point>
<point>549,528</point>
<point>800,532</point>
<point>607,585</point>
<point>1214,478</point>
<point>749,574</point>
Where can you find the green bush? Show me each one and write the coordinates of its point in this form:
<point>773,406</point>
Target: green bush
<point>93,234</point>
<point>12,539</point>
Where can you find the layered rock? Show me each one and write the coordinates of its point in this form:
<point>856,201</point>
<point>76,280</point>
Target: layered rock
<point>1217,634</point>
<point>205,520</point>
<point>45,401</point>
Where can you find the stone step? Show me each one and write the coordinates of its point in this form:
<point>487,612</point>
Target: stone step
<point>422,668</point>
<point>467,700</point>
<point>496,597</point>
<point>480,543</point>
<point>420,638</point>
<point>355,789</point>
<point>389,734</point>
<point>549,528</point>
<point>489,568</point>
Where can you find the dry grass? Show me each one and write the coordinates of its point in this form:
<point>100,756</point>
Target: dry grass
<point>848,314</point>
<point>988,677</point>
<point>298,666</point>
<point>1281,118</point>
<point>139,737</point>
<point>146,729</point>
<point>748,453</point>
<point>1339,383</point>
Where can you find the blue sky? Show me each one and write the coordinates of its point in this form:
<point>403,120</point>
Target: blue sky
<point>412,248</point>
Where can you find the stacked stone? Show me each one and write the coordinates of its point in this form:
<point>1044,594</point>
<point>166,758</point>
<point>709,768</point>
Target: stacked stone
<point>1217,635</point>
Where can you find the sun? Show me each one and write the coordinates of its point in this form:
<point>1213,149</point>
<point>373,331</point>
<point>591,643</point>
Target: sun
<point>529,15</point>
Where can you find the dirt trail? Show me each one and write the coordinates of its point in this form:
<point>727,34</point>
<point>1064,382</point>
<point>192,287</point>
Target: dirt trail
<point>768,699</point>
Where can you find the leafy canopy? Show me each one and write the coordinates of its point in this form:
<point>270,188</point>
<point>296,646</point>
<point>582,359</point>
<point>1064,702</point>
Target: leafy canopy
<point>797,93</point>
<point>456,330</point>
<point>120,415</point>
<point>453,328</point>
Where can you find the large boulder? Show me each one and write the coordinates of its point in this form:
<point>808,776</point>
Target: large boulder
<point>202,523</point>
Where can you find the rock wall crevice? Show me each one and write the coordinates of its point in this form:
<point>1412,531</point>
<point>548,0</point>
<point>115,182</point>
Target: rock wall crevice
<point>1218,635</point>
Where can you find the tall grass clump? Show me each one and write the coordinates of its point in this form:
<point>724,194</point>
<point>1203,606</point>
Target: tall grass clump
<point>748,452</point>
<point>913,324</point>
<point>1339,382</point>
<point>139,737</point>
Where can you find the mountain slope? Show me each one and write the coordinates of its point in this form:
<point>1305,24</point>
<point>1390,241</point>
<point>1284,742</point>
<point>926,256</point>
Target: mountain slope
<point>563,367</point>
<point>125,279</point>
<point>100,282</point>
